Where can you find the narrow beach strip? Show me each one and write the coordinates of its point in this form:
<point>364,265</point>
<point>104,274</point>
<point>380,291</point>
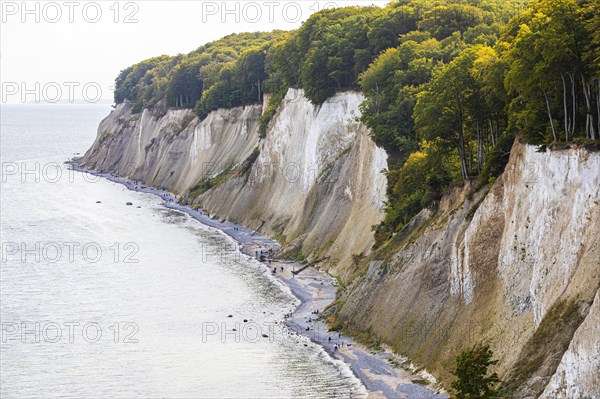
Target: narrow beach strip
<point>316,290</point>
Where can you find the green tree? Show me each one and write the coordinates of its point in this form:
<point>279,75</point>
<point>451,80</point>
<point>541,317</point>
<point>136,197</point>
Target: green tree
<point>417,184</point>
<point>444,20</point>
<point>448,105</point>
<point>185,86</point>
<point>390,86</point>
<point>473,380</point>
<point>393,21</point>
<point>545,60</point>
<point>130,84</point>
<point>318,84</point>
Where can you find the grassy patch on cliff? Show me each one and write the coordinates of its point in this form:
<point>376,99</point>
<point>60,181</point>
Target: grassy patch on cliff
<point>269,113</point>
<point>209,183</point>
<point>296,256</point>
<point>543,352</point>
<point>222,177</point>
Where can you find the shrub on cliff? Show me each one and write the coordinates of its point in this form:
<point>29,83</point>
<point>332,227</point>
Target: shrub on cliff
<point>472,378</point>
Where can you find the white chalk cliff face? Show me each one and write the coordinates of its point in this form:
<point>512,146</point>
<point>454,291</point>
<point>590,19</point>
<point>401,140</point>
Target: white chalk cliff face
<point>577,375</point>
<point>521,272</point>
<point>317,179</point>
<point>517,266</point>
<point>173,148</point>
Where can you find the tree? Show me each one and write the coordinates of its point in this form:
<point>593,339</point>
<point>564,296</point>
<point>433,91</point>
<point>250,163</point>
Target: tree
<point>448,104</point>
<point>392,22</point>
<point>130,84</point>
<point>250,75</point>
<point>546,67</point>
<point>488,71</point>
<point>447,84</point>
<point>318,84</point>
<point>185,86</point>
<point>444,20</point>
<point>472,379</point>
<point>390,86</point>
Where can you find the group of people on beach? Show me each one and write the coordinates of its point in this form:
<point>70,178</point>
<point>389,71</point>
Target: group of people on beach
<point>336,345</point>
<point>339,344</point>
<point>136,185</point>
<point>265,256</point>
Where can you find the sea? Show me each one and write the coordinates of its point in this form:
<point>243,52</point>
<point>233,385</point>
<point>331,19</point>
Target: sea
<point>99,298</point>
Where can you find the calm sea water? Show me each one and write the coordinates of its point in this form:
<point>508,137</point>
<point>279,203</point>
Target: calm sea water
<point>109,300</point>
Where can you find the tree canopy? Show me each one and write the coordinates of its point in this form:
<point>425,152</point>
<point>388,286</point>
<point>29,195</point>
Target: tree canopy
<point>448,84</point>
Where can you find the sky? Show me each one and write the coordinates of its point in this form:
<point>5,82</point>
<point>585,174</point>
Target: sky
<point>64,50</point>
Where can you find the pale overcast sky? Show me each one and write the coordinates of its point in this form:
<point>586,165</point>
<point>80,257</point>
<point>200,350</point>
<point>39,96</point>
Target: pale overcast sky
<point>54,43</point>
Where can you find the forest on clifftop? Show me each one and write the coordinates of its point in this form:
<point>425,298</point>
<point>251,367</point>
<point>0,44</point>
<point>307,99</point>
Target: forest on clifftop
<point>448,85</point>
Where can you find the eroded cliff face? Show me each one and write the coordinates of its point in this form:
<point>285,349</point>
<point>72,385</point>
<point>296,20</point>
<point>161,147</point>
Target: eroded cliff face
<point>317,181</point>
<point>173,148</point>
<point>316,184</point>
<point>517,267</point>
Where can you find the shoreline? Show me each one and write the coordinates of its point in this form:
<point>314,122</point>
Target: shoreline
<point>378,372</point>
<point>382,379</point>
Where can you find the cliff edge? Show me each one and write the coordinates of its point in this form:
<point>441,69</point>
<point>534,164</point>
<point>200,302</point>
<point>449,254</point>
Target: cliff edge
<point>515,264</point>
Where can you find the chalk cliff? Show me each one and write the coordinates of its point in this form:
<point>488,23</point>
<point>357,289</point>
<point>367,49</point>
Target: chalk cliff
<point>516,264</point>
<point>517,267</point>
<point>316,182</point>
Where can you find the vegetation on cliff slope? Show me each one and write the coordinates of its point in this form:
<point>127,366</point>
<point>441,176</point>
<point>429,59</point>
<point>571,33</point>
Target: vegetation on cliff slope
<point>473,380</point>
<point>448,83</point>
